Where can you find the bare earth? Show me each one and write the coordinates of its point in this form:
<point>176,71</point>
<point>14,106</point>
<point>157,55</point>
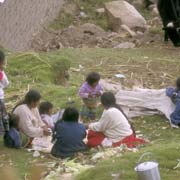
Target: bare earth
<point>19,22</point>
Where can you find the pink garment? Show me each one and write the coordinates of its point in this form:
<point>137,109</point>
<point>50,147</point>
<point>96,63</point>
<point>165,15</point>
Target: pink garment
<point>47,119</point>
<point>86,89</point>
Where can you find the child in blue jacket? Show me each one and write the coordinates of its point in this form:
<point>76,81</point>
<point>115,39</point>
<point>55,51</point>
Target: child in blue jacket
<point>68,135</point>
<point>174,94</point>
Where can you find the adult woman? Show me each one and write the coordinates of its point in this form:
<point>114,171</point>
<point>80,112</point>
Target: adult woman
<point>30,122</point>
<point>113,127</point>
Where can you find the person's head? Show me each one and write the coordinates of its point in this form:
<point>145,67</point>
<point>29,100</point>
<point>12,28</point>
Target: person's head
<point>2,59</point>
<point>108,99</point>
<point>32,98</point>
<point>46,108</point>
<point>70,114</point>
<point>13,121</point>
<point>178,83</point>
<point>93,78</point>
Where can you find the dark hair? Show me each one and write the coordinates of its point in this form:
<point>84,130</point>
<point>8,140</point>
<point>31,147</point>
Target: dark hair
<point>31,96</point>
<point>178,83</point>
<point>70,114</point>
<point>13,120</point>
<point>2,56</point>
<point>45,107</point>
<point>108,100</point>
<point>92,78</point>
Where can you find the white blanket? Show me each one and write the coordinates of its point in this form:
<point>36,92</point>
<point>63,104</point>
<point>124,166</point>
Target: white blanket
<point>140,101</point>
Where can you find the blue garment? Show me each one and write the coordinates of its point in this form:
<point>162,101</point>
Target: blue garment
<point>68,138</point>
<point>12,138</point>
<point>174,94</point>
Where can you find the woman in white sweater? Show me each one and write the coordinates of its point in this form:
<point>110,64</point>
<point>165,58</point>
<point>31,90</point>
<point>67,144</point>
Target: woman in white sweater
<point>30,123</point>
<point>113,128</point>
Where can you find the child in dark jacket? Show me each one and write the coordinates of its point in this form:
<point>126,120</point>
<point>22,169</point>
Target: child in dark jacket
<point>12,138</point>
<point>174,94</point>
<point>68,135</point>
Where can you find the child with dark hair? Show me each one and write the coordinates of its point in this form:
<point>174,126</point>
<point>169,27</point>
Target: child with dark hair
<point>68,135</point>
<point>113,128</point>
<point>174,94</point>
<point>12,138</point>
<point>3,84</point>
<point>45,110</point>
<point>90,91</point>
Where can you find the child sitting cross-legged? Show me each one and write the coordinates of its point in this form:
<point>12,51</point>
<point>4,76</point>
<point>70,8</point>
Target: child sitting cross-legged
<point>68,135</point>
<point>12,138</point>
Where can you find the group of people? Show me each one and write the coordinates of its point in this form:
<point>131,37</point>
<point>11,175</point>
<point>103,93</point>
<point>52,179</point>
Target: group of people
<point>30,119</point>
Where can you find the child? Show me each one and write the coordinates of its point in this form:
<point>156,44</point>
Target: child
<point>174,94</point>
<point>45,110</point>
<point>68,135</point>
<point>90,91</point>
<point>4,126</point>
<point>12,137</point>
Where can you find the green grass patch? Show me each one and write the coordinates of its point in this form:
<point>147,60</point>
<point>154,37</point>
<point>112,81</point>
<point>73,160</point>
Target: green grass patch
<point>149,65</point>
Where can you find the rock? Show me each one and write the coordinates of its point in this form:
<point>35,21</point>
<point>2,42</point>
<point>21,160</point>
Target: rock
<point>126,28</point>
<point>100,11</point>
<point>125,45</point>
<point>36,154</point>
<point>82,15</point>
<point>121,12</point>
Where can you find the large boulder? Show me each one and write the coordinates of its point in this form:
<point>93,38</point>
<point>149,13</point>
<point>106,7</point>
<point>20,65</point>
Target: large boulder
<point>121,12</point>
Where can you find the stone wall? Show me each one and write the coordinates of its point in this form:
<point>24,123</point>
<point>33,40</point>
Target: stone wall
<point>21,19</point>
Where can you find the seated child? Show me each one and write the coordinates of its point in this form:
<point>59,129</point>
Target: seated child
<point>90,91</point>
<point>12,138</point>
<point>45,110</point>
<point>68,135</point>
<point>174,94</point>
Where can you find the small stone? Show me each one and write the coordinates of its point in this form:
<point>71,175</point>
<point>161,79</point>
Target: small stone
<point>125,45</point>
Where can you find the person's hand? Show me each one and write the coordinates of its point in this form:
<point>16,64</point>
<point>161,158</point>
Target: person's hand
<point>46,131</point>
<point>90,95</point>
<point>86,125</point>
<point>98,94</point>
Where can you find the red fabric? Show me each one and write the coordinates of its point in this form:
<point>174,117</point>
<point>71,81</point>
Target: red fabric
<point>131,141</point>
<point>96,138</point>
<point>1,75</point>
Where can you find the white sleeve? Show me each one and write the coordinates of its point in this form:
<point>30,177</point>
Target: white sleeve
<point>102,124</point>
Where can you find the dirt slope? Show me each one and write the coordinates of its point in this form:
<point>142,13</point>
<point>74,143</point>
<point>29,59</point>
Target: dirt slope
<point>21,19</point>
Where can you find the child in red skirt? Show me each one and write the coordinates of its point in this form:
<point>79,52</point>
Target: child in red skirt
<point>113,128</point>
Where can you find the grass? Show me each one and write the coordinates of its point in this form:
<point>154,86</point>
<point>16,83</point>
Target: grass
<point>153,67</point>
<point>89,7</point>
